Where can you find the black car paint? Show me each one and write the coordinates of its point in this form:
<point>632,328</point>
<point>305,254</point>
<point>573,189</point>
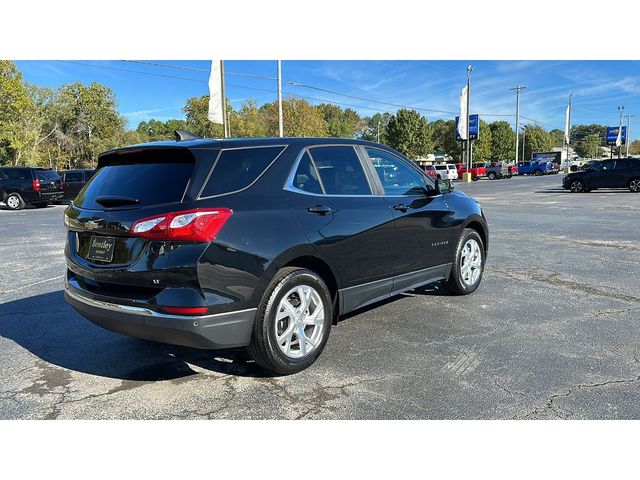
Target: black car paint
<point>74,180</point>
<point>365,249</point>
<point>49,190</point>
<point>593,176</point>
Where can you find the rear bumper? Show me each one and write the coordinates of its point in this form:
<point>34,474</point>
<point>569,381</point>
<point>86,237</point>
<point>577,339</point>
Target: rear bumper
<point>222,330</point>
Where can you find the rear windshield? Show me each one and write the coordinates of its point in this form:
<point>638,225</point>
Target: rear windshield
<point>149,183</point>
<point>441,167</point>
<point>47,175</point>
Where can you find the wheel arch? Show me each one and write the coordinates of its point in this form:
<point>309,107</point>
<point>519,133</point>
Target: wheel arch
<point>479,226</point>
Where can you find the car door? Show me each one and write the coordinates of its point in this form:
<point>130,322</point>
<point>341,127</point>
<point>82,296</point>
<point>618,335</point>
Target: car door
<point>423,222</point>
<point>331,194</point>
<point>620,173</point>
<point>603,176</point>
<point>73,183</point>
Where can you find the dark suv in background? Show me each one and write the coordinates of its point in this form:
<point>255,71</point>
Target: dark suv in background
<point>36,186</point>
<point>74,180</point>
<point>261,242</point>
<point>622,173</point>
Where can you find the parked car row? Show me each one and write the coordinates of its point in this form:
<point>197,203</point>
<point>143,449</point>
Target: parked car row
<point>538,168</point>
<point>39,186</point>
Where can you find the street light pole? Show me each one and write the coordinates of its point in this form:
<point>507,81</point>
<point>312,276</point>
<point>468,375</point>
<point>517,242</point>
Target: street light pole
<point>469,154</point>
<point>620,111</point>
<point>568,139</point>
<point>280,124</point>
<point>378,136</point>
<point>517,90</point>
<point>629,131</point>
<point>524,133</point>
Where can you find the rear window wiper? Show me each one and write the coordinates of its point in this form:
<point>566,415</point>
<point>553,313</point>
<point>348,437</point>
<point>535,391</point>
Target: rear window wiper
<point>106,201</point>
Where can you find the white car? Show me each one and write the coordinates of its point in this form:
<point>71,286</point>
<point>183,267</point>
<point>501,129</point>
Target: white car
<point>446,172</point>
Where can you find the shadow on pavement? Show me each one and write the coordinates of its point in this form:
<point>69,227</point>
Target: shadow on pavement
<point>50,329</point>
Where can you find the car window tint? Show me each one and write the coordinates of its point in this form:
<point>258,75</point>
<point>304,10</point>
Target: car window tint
<point>17,174</point>
<point>623,164</point>
<point>88,174</point>
<point>73,177</point>
<point>47,175</point>
<point>396,176</point>
<point>340,171</point>
<point>306,177</point>
<point>238,168</point>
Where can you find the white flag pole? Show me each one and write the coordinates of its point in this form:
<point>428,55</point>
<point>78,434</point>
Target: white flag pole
<point>217,112</point>
<point>280,124</point>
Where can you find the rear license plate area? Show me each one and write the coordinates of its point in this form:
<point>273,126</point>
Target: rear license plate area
<point>101,249</point>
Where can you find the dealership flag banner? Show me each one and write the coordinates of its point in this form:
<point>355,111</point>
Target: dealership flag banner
<point>462,124</point>
<point>215,93</point>
<point>619,137</point>
<point>566,124</point>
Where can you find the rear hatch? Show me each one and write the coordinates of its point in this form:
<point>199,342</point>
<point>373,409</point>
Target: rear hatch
<point>49,180</point>
<point>128,188</point>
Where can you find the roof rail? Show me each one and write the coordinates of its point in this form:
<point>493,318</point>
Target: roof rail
<point>182,135</point>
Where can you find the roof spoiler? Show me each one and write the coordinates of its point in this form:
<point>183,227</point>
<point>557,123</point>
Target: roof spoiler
<point>182,135</point>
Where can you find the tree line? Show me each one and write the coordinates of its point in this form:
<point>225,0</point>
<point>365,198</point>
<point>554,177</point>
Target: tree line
<point>70,126</point>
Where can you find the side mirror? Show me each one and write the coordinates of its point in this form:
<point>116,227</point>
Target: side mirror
<point>442,187</point>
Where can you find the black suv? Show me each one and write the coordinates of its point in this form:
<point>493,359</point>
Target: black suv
<point>261,242</point>
<point>36,186</point>
<point>74,180</point>
<point>623,173</point>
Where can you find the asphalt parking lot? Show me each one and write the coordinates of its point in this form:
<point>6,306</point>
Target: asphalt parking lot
<point>552,332</point>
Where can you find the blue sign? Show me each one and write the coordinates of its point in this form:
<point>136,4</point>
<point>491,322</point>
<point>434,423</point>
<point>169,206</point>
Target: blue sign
<point>612,135</point>
<point>474,128</point>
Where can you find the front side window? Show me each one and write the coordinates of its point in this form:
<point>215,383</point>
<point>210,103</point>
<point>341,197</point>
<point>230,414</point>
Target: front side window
<point>238,168</point>
<point>340,171</point>
<point>396,176</point>
<point>17,174</point>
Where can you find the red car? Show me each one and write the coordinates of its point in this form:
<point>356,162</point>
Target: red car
<point>513,169</point>
<point>431,171</point>
<point>476,171</point>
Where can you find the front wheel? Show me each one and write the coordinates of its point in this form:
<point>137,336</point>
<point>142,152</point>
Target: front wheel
<point>468,264</point>
<point>537,173</point>
<point>292,322</point>
<point>634,185</point>
<point>492,176</point>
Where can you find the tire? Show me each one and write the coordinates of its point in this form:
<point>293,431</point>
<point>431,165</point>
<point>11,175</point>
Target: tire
<point>492,176</point>
<point>457,283</point>
<point>475,179</point>
<point>537,173</point>
<point>577,186</point>
<point>282,297</point>
<point>634,185</point>
<point>14,201</point>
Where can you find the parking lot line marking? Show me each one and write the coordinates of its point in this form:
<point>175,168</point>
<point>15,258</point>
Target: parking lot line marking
<point>30,285</point>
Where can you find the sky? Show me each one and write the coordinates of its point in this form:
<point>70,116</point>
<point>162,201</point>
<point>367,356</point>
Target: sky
<point>158,88</point>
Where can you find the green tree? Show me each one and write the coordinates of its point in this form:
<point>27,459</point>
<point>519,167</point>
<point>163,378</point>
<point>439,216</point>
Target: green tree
<point>340,123</point>
<point>634,148</point>
<point>196,111</point>
<point>482,147</point>
<point>443,138</point>
<point>155,130</point>
<point>588,147</point>
<point>249,121</point>
<point>503,141</point>
<point>299,117</point>
<point>409,133</point>
<point>373,127</point>
<point>557,136</point>
<point>537,139</point>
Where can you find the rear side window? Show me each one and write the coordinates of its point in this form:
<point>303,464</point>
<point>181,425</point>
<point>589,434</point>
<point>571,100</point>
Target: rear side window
<point>149,183</point>
<point>17,174</point>
<point>47,175</point>
<point>340,171</point>
<point>73,177</point>
<point>306,177</point>
<point>238,168</point>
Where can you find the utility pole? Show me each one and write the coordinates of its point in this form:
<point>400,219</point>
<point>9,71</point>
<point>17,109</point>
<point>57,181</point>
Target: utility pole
<point>224,101</point>
<point>280,125</point>
<point>469,154</point>
<point>620,111</point>
<point>629,131</point>
<point>524,132</point>
<point>229,123</point>
<point>378,135</point>
<point>517,89</point>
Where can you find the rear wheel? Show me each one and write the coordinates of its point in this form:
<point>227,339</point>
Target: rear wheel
<point>537,173</point>
<point>634,185</point>
<point>293,322</point>
<point>577,186</point>
<point>492,176</point>
<point>14,202</point>
<point>468,264</point>
<point>475,179</point>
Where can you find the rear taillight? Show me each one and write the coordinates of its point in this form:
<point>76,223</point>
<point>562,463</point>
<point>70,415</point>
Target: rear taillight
<point>199,225</point>
<point>36,185</point>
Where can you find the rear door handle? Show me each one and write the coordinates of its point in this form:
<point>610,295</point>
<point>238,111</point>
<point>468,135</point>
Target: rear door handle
<point>401,207</point>
<point>320,209</point>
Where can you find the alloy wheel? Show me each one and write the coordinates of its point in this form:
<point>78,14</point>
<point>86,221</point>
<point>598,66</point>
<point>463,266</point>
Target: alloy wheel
<point>634,185</point>
<point>300,321</point>
<point>13,202</point>
<point>471,262</point>
<point>577,186</point>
